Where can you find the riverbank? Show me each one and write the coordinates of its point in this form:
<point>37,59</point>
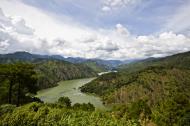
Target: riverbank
<point>70,89</point>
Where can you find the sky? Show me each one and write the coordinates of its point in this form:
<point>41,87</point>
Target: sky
<point>105,29</point>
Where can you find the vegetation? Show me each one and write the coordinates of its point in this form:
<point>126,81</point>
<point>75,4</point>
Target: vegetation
<point>97,67</point>
<point>17,80</point>
<point>155,92</point>
<point>56,114</point>
<point>180,60</point>
<point>163,84</point>
<point>51,72</point>
<point>65,101</point>
<point>50,69</point>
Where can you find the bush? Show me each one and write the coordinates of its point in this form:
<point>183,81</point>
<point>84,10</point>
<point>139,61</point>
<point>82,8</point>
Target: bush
<point>64,101</point>
<point>6,108</point>
<point>84,106</point>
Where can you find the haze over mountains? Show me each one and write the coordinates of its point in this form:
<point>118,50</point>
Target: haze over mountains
<point>25,56</point>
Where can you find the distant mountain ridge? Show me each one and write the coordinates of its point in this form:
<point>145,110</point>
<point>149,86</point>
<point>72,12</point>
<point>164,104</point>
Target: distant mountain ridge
<point>180,60</point>
<point>50,69</point>
<point>98,65</point>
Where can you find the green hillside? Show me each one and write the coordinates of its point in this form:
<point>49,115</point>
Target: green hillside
<point>180,60</point>
<point>155,93</point>
<point>51,72</point>
<point>96,67</point>
<point>50,69</point>
<point>164,84</point>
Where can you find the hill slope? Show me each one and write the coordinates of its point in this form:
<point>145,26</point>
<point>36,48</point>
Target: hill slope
<point>164,84</point>
<point>51,72</point>
<point>180,60</point>
<point>51,69</point>
<point>97,65</point>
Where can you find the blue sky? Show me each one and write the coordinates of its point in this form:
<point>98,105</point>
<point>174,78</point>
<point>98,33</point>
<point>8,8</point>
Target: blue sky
<point>107,29</point>
<point>142,18</point>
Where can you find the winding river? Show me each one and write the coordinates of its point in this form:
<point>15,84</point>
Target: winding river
<point>70,89</point>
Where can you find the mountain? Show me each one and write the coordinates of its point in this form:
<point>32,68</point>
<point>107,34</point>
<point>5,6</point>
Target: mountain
<point>180,60</point>
<point>26,57</point>
<point>162,83</point>
<point>109,82</point>
<point>98,65</point>
<point>51,72</point>
<point>50,69</point>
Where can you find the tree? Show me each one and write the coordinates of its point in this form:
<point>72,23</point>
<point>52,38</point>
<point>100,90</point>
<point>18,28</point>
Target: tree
<point>172,111</point>
<point>26,80</point>
<point>64,101</point>
<point>139,110</point>
<point>18,79</point>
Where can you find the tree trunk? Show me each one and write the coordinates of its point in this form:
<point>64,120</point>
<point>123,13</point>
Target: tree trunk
<point>18,95</point>
<point>10,91</point>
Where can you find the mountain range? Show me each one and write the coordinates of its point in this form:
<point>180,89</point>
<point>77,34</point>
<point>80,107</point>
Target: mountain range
<point>97,65</point>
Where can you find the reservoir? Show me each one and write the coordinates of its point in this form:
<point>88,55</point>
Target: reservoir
<point>70,88</point>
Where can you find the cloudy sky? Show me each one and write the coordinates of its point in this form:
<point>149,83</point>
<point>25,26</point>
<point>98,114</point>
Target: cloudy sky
<point>106,29</point>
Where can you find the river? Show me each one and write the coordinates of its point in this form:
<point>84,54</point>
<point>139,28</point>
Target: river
<point>70,89</point>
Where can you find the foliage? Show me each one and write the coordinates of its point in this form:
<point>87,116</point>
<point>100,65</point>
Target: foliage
<point>51,72</point>
<point>17,80</point>
<point>50,69</point>
<point>172,111</point>
<point>163,83</point>
<point>6,108</point>
<point>97,67</point>
<point>64,101</point>
<point>52,114</point>
<point>180,60</point>
<point>84,106</point>
<point>143,93</point>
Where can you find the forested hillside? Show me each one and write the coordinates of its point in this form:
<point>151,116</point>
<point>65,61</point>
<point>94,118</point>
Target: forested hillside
<point>50,69</point>
<point>155,93</point>
<point>20,79</point>
<point>164,84</point>
<point>51,72</point>
<point>180,60</point>
<point>96,67</point>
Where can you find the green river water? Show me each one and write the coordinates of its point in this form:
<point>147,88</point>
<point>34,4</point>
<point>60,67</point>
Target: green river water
<point>70,89</point>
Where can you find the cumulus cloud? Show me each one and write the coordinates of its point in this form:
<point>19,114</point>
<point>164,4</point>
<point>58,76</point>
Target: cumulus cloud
<point>73,39</point>
<point>21,27</point>
<point>16,35</point>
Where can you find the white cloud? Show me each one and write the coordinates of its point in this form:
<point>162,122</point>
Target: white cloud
<point>16,35</point>
<point>180,20</point>
<point>122,30</point>
<point>113,4</point>
<point>69,38</point>
<point>106,8</point>
<point>21,27</point>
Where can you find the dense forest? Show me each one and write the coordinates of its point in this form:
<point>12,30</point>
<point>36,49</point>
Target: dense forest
<point>51,72</point>
<point>50,69</point>
<point>22,74</point>
<point>155,93</point>
<point>163,84</point>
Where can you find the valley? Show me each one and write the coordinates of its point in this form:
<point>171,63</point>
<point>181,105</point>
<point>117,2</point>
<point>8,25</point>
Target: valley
<point>141,93</point>
<point>70,89</point>
<point>94,62</point>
